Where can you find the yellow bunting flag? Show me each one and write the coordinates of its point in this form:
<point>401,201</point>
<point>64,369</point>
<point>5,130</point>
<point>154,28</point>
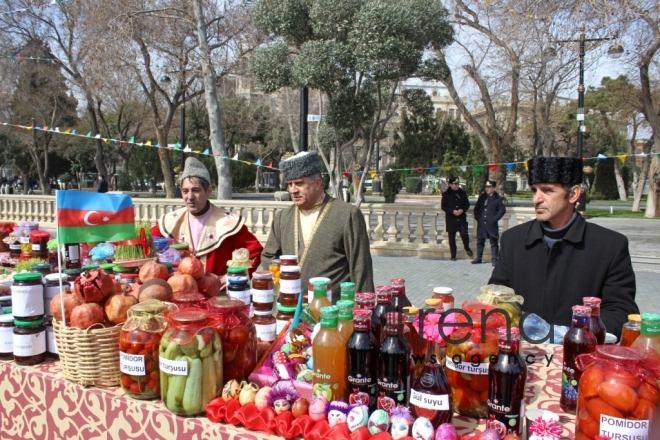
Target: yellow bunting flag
<point>526,166</point>
<point>622,157</point>
<point>372,173</point>
<point>148,143</point>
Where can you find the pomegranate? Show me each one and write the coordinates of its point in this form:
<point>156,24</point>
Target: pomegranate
<point>86,315</point>
<point>155,289</point>
<point>153,269</point>
<point>70,302</point>
<point>181,282</point>
<point>116,307</point>
<point>93,286</point>
<point>209,284</point>
<point>117,287</point>
<point>191,266</point>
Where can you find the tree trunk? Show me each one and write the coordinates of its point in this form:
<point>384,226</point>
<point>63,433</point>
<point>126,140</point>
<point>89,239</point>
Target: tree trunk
<point>213,107</point>
<point>620,185</point>
<point>166,167</point>
<point>643,174</point>
<point>98,157</point>
<point>653,198</point>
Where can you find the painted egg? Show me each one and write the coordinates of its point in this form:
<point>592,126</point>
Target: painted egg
<point>422,429</point>
<point>317,408</point>
<point>300,407</point>
<point>322,390</point>
<point>261,399</point>
<point>490,434</point>
<point>286,348</point>
<point>358,417</point>
<point>378,422</point>
<point>230,390</point>
<point>446,431</point>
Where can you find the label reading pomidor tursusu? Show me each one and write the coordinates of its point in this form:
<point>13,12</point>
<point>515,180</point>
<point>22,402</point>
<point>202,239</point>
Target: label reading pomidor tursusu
<point>622,429</point>
<point>429,401</point>
<point>243,295</point>
<point>133,364</point>
<point>289,286</point>
<point>27,300</point>
<point>6,339</point>
<point>467,367</point>
<point>266,332</point>
<point>29,345</point>
<point>175,368</point>
<point>262,296</point>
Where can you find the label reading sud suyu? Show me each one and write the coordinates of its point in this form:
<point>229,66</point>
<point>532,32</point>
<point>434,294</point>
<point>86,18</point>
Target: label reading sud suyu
<point>266,332</point>
<point>467,367</point>
<point>616,428</point>
<point>6,339</point>
<point>175,368</point>
<point>262,296</point>
<point>243,295</point>
<point>429,401</point>
<point>29,345</point>
<point>133,364</point>
<point>27,300</point>
<point>289,286</point>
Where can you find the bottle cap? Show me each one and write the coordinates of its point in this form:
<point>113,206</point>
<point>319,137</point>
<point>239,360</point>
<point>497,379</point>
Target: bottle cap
<point>410,310</point>
<point>634,318</point>
<point>397,281</point>
<point>443,290</point>
<point>262,275</point>
<point>21,323</point>
<point>347,285</point>
<point>285,309</point>
<point>582,310</point>
<point>432,302</point>
<point>591,301</point>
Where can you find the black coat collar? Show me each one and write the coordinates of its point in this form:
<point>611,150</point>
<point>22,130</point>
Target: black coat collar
<point>575,233</point>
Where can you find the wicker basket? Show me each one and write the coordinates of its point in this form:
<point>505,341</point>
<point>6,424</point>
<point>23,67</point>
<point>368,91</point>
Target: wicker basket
<point>89,357</point>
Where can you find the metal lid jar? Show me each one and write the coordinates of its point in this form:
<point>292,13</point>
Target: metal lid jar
<point>27,296</point>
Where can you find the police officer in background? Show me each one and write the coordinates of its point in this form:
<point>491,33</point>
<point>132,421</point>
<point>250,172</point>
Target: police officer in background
<point>455,204</point>
<point>487,212</point>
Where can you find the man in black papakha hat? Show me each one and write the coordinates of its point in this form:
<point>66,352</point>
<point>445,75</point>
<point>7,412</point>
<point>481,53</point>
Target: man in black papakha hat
<point>560,258</point>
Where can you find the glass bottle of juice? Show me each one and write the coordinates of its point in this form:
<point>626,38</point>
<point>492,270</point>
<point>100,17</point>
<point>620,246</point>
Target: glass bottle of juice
<point>347,291</point>
<point>430,395</point>
<point>362,361</point>
<point>320,299</point>
<point>365,300</point>
<point>383,306</point>
<point>399,298</point>
<point>393,366</point>
<point>631,330</point>
<point>329,374</point>
<point>417,344</point>
<point>648,341</point>
<point>578,340</point>
<point>345,318</point>
<point>506,386</point>
<point>596,324</point>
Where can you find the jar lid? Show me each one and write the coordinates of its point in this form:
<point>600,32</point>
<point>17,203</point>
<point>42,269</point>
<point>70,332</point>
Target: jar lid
<point>27,276</point>
<point>262,275</point>
<point>40,266</point>
<point>288,257</point>
<point>237,280</point>
<point>186,296</point>
<point>264,312</point>
<point>285,309</point>
<point>90,267</point>
<point>289,268</point>
<point>129,276</point>
<point>190,316</point>
<point>179,246</point>
<point>345,304</point>
<point>655,317</point>
<point>410,310</point>
<point>224,303</point>
<point>432,302</point>
<point>7,318</point>
<point>397,281</point>
<point>107,266</point>
<point>123,269</point>
<point>151,306</point>
<point>168,264</point>
<point>591,301</point>
<point>56,277</point>
<point>443,290</point>
<point>5,298</point>
<point>321,279</point>
<point>72,271</point>
<point>21,323</point>
<point>618,352</point>
<point>39,234</point>
<point>635,318</point>
<point>236,269</point>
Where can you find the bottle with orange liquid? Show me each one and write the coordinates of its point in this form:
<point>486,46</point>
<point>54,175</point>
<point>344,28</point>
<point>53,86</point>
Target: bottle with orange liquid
<point>648,341</point>
<point>329,374</point>
<point>631,330</point>
<point>345,318</point>
<point>320,299</point>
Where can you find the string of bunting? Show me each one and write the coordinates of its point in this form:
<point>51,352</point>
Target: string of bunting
<point>46,59</point>
<point>131,141</point>
<point>32,8</point>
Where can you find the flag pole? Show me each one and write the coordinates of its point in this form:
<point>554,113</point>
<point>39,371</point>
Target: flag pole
<point>59,261</point>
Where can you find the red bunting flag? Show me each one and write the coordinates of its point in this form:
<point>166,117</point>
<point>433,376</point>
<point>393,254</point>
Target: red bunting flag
<point>270,165</point>
<point>420,169</point>
<point>345,174</point>
<point>492,167</point>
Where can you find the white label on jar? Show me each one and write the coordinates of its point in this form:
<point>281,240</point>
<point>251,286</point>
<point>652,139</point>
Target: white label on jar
<point>615,428</point>
<point>36,247</point>
<point>25,240</point>
<point>29,345</point>
<point>262,296</point>
<point>243,295</point>
<point>289,286</point>
<point>49,294</point>
<point>6,339</point>
<point>447,306</point>
<point>74,253</point>
<point>281,323</point>
<point>467,367</point>
<point>429,401</point>
<point>174,368</point>
<point>266,332</point>
<point>133,364</point>
<point>27,300</point>
<point>51,345</point>
<point>15,246</point>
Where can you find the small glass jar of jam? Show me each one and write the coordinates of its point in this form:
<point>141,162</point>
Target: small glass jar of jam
<point>289,285</point>
<point>6,337</point>
<point>310,288</point>
<point>262,290</point>
<point>15,246</point>
<point>72,256</point>
<point>444,294</point>
<point>365,300</point>
<point>51,346</point>
<point>284,315</point>
<point>29,342</point>
<point>52,288</point>
<point>39,244</point>
<point>265,325</point>
<point>288,260</point>
<point>237,271</point>
<point>43,268</point>
<point>237,288</point>
<point>5,304</point>
<point>186,299</point>
<point>27,297</point>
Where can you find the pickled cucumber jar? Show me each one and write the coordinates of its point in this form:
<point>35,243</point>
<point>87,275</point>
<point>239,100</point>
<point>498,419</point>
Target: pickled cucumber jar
<point>190,362</point>
<point>503,298</point>
<point>139,343</point>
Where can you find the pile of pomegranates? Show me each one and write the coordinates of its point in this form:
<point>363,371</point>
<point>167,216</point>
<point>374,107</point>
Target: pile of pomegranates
<point>190,275</point>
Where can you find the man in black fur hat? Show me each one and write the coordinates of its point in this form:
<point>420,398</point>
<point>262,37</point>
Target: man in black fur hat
<point>560,258</point>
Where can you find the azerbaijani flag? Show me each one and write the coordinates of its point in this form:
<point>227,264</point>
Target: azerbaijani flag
<point>87,217</point>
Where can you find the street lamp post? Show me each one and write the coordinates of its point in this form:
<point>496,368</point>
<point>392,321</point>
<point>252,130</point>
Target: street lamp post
<point>167,79</point>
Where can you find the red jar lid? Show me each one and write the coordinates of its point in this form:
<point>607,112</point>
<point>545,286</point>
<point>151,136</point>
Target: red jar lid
<point>222,303</point>
<point>38,234</point>
<point>262,275</point>
<point>190,316</point>
<point>187,296</point>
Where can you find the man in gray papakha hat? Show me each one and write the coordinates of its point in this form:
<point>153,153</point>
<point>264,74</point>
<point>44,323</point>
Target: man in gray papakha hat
<point>212,233</point>
<point>328,236</point>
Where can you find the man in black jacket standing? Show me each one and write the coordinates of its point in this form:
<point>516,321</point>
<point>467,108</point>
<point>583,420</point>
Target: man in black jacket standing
<point>487,212</point>
<point>103,184</point>
<point>560,258</point>
<point>455,204</point>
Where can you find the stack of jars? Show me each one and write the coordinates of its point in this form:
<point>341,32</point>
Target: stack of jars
<point>290,287</point>
<point>27,329</point>
<point>262,293</point>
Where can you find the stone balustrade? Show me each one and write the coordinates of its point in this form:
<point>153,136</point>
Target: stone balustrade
<point>400,229</point>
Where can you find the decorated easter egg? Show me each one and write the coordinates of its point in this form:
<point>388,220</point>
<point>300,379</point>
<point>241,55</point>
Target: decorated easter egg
<point>337,412</point>
<point>422,429</point>
<point>231,390</point>
<point>286,348</point>
<point>490,434</point>
<point>317,408</point>
<point>300,407</point>
<point>322,389</point>
<point>358,416</point>
<point>261,399</point>
<point>446,431</point>
<point>378,422</point>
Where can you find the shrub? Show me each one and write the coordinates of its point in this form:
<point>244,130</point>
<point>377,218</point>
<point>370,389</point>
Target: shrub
<point>413,185</point>
<point>510,187</point>
<point>604,181</point>
<point>391,185</point>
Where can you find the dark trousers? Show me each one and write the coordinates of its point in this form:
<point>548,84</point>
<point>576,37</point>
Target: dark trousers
<point>463,230</point>
<point>481,244</point>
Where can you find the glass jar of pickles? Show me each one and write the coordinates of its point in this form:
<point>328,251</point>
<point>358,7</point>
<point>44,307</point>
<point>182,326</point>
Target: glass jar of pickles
<point>191,364</point>
<point>139,343</point>
<point>504,298</point>
<point>238,335</point>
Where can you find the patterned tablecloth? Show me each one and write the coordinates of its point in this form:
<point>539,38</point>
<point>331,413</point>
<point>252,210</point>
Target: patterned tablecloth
<point>36,403</point>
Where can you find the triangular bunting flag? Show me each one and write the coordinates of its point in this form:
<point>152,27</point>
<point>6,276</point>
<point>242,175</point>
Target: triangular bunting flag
<point>270,164</point>
<point>206,152</point>
<point>526,165</point>
<point>246,162</point>
<point>432,169</point>
<point>360,172</point>
<point>492,167</point>
<point>157,145</point>
<point>601,156</point>
<point>372,173</point>
<point>67,131</point>
<point>463,168</point>
<point>622,157</point>
<point>258,162</point>
<point>235,157</point>
<point>225,157</point>
<point>98,136</point>
<point>44,128</point>
<point>187,149</point>
<point>73,133</point>
<point>177,146</point>
<point>131,140</point>
<point>446,168</point>
<point>509,166</point>
<point>147,144</point>
<point>89,134</point>
<point>57,129</point>
<point>420,169</point>
<point>345,174</point>
<point>478,168</point>
<point>404,172</point>
<point>51,129</point>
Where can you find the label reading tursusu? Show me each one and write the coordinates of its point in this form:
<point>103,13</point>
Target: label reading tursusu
<point>27,300</point>
<point>266,332</point>
<point>133,364</point>
<point>6,339</point>
<point>429,401</point>
<point>29,345</point>
<point>467,367</point>
<point>622,429</point>
<point>262,296</point>
<point>175,368</point>
<point>243,295</point>
<point>289,286</point>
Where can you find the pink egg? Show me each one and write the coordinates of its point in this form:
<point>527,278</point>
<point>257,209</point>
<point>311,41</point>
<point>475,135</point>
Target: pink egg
<point>490,434</point>
<point>317,408</point>
<point>446,431</point>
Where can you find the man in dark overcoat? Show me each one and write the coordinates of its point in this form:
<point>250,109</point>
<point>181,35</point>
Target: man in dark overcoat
<point>455,204</point>
<point>555,261</point>
<point>487,212</point>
